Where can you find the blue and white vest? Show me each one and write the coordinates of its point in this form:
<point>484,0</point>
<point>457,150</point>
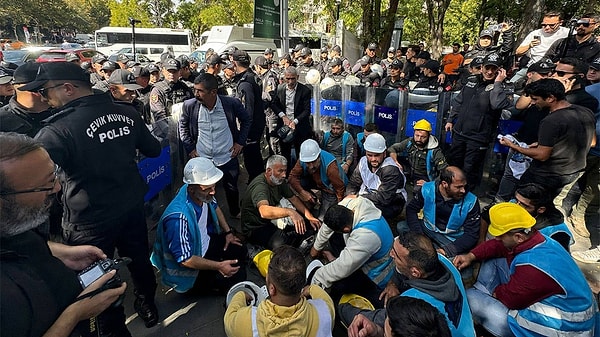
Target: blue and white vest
<point>559,228</point>
<point>569,314</point>
<point>465,327</point>
<point>370,179</point>
<point>173,274</point>
<point>454,228</point>
<point>345,138</point>
<point>379,267</point>
<point>326,159</point>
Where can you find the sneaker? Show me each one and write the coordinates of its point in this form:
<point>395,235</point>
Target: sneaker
<point>579,226</point>
<point>146,309</point>
<point>588,256</point>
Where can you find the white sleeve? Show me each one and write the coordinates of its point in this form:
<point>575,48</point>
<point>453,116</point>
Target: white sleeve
<point>529,38</point>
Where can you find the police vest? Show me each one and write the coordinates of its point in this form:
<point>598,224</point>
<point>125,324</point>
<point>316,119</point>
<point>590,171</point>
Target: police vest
<point>464,327</point>
<point>326,158</point>
<point>379,267</point>
<point>173,274</point>
<point>454,228</point>
<point>570,314</point>
<point>345,137</point>
<point>325,323</point>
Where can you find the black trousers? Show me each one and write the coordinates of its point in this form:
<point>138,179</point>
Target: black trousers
<point>253,160</point>
<point>469,155</point>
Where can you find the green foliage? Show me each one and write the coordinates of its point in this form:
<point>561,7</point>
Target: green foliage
<point>200,15</point>
<point>122,10</point>
<point>461,22</point>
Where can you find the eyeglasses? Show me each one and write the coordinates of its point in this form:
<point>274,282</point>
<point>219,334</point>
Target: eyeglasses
<point>290,78</point>
<point>562,73</point>
<point>38,189</point>
<point>44,91</point>
<point>549,24</point>
<point>585,24</point>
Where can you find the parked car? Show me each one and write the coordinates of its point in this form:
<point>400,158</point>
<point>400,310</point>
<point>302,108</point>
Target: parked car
<point>58,55</point>
<point>21,56</point>
<point>142,59</point>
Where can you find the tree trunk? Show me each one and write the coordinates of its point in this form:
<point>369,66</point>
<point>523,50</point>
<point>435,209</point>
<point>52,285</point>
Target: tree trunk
<point>532,16</point>
<point>436,11</point>
<point>388,28</point>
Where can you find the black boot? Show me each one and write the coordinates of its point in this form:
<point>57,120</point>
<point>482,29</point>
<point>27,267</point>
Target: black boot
<point>146,309</point>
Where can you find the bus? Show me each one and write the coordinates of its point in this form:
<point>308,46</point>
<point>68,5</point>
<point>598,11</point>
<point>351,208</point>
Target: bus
<point>152,42</point>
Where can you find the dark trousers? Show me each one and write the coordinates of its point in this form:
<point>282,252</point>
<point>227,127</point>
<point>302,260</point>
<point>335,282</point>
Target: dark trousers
<point>211,279</point>
<point>469,155</point>
<point>231,173</point>
<point>129,235</point>
<point>253,160</point>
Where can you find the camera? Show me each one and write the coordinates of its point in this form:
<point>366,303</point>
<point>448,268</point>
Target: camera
<point>495,28</point>
<point>99,268</point>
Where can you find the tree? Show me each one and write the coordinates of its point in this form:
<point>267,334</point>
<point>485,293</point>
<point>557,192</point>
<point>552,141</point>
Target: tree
<point>121,11</point>
<point>436,11</point>
<point>161,12</point>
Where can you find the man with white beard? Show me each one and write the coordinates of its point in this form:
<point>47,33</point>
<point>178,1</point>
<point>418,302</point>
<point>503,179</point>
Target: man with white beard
<point>272,215</point>
<point>38,278</point>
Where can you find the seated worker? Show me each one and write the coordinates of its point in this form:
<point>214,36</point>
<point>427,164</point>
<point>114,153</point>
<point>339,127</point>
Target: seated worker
<point>271,214</point>
<point>318,169</point>
<point>361,137</point>
<point>339,143</point>
<point>423,274</point>
<point>379,179</point>
<point>548,219</point>
<point>451,215</point>
<point>195,247</point>
<point>528,285</point>
<point>290,310</point>
<point>419,155</point>
<point>360,241</point>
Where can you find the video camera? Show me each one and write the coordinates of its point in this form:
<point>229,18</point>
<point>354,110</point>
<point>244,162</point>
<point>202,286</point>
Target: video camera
<point>101,267</point>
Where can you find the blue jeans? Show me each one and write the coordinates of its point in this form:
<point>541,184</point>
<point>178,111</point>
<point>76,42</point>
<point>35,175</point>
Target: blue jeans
<point>488,311</point>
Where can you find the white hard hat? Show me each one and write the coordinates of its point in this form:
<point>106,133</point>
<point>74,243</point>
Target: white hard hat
<point>201,171</point>
<point>311,269</point>
<point>309,151</point>
<point>376,68</point>
<point>257,293</point>
<point>313,77</point>
<point>375,143</point>
<point>327,83</point>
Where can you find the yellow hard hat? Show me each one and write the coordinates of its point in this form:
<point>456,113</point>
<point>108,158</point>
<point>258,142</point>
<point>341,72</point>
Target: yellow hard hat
<point>507,216</point>
<point>262,260</point>
<point>423,124</point>
<point>357,301</point>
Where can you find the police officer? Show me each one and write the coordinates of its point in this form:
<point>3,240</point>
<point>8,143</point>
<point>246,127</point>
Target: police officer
<point>268,81</point>
<point>142,77</point>
<point>169,91</point>
<point>229,80</point>
<point>186,72</point>
<point>97,62</point>
<point>214,64</point>
<point>336,70</point>
<point>106,70</point>
<point>305,64</point>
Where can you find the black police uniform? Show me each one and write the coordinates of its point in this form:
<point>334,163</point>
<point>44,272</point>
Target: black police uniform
<point>304,68</point>
<point>15,118</point>
<point>95,141</point>
<point>164,95</point>
<point>268,83</point>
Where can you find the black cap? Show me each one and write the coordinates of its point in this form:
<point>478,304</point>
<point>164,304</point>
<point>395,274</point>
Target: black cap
<point>595,64</point>
<point>152,68</point>
<point>171,64</point>
<point>125,78</point>
<point>71,57</point>
<point>261,61</point>
<point>184,61</point>
<point>241,56</point>
<point>5,77</point>
<point>476,62</point>
<point>486,32</point>
<point>132,64</point>
<point>336,61</point>
<point>396,64</point>
<point>391,50</point>
<point>214,59</point>
<point>372,46</point>
<point>56,71</point>
<point>110,65</point>
<point>543,66</point>
<point>324,50</point>
<point>228,65</point>
<point>123,58</point>
<point>99,58</point>
<point>85,65</point>
<point>139,71</point>
<point>269,51</point>
<point>298,47</point>
<point>492,59</point>
<point>432,65</point>
<point>232,50</point>
<point>424,55</point>
<point>337,48</point>
<point>305,52</point>
<point>26,73</point>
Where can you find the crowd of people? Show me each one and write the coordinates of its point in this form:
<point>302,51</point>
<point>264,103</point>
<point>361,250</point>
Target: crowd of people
<point>396,227</point>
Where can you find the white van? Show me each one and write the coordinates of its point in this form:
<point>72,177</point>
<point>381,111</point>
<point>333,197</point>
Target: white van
<point>221,38</point>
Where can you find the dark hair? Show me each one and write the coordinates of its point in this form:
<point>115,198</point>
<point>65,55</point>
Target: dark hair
<point>287,270</point>
<point>411,317</point>
<point>552,14</point>
<point>545,88</point>
<point>208,80</point>
<point>456,44</point>
<point>337,217</point>
<point>538,195</point>
<point>451,172</point>
<point>415,48</point>
<point>420,251</point>
<point>579,66</point>
<point>590,15</point>
<point>337,121</point>
<point>371,127</point>
<point>14,145</point>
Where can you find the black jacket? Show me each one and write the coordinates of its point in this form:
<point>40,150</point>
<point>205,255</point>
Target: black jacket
<point>301,109</point>
<point>15,118</point>
<point>586,51</point>
<point>249,93</point>
<point>95,142</point>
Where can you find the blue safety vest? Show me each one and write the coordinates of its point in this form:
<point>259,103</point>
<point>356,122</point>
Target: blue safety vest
<point>431,173</point>
<point>173,274</point>
<point>570,314</point>
<point>464,327</point>
<point>326,159</point>
<point>454,228</point>
<point>359,141</point>
<point>345,137</point>
<point>559,228</point>
<point>379,267</point>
